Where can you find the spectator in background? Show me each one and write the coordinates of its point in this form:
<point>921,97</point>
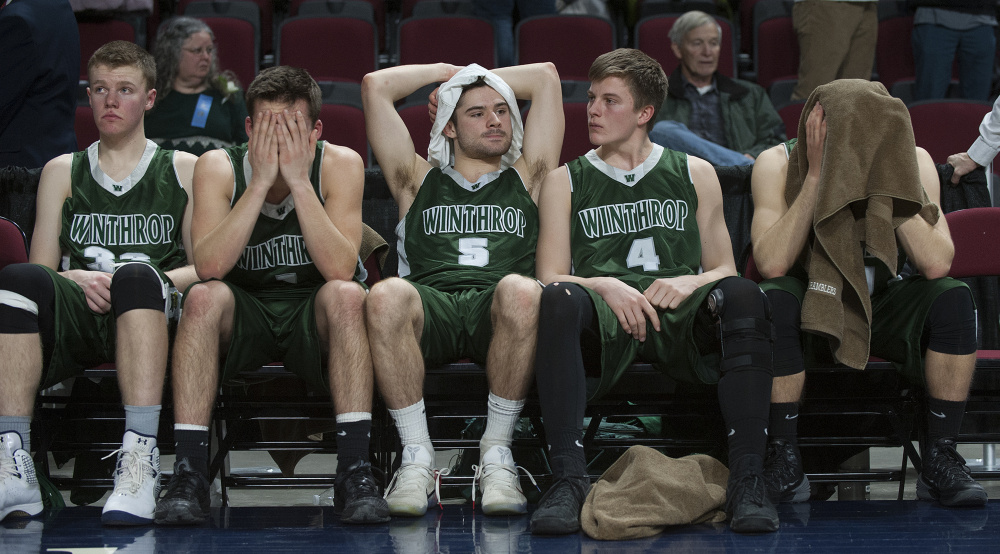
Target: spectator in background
<point>836,41</point>
<point>40,70</point>
<point>501,14</point>
<point>706,114</point>
<point>198,108</point>
<point>943,30</point>
<point>982,152</point>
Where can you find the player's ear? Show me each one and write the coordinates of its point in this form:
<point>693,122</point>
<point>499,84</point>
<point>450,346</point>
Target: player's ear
<point>248,124</point>
<point>317,130</point>
<point>449,130</point>
<point>150,98</point>
<point>645,114</point>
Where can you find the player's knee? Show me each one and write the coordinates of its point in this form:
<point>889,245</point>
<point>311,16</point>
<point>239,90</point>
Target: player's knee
<point>137,286</point>
<point>517,296</point>
<point>389,300</point>
<point>745,326</point>
<point>951,323</point>
<point>341,299</point>
<point>205,300</point>
<point>785,313</point>
<point>561,302</point>
<point>24,290</point>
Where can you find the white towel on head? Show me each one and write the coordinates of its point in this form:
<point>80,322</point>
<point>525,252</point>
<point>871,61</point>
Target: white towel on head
<point>439,152</point>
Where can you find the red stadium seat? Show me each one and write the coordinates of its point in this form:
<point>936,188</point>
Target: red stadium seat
<point>330,48</point>
<point>571,42</point>
<point>94,34</point>
<point>945,127</point>
<point>419,124</point>
<point>236,46</point>
<point>343,8</point>
<point>86,129</point>
<point>776,46</point>
<point>790,114</point>
<point>343,120</point>
<point>458,40</point>
<point>262,18</point>
<point>13,245</point>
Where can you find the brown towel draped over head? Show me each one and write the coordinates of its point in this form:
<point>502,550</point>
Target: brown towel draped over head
<point>869,185</point>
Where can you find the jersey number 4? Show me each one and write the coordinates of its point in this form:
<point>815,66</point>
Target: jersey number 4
<point>104,259</point>
<point>473,252</point>
<point>643,253</point>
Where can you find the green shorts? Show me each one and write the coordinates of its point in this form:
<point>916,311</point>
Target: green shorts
<point>673,350</point>
<point>456,324</point>
<point>84,338</point>
<point>276,326</point>
<point>898,316</point>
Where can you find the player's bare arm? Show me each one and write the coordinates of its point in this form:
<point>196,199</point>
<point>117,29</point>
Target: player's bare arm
<point>716,246</point>
<point>182,277</point>
<point>331,230</point>
<point>220,232</point>
<point>387,134</point>
<point>553,259</point>
<point>779,231</point>
<point>545,126</point>
<point>54,187</point>
<point>929,247</point>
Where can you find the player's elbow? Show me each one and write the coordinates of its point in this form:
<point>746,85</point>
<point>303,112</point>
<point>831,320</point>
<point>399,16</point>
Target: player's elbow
<point>935,269</point>
<point>770,269</point>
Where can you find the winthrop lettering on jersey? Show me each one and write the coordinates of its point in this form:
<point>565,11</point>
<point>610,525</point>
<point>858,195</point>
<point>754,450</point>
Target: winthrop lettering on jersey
<point>613,219</point>
<point>282,250</point>
<point>121,230</point>
<point>470,218</point>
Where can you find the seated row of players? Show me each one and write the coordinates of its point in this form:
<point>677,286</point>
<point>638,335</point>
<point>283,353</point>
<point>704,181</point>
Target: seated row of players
<point>275,234</point>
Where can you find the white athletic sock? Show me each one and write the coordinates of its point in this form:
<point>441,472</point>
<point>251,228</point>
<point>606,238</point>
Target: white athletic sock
<point>411,423</point>
<point>501,418</point>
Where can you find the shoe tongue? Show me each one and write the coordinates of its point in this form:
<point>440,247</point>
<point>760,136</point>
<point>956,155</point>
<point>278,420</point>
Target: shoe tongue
<point>134,441</point>
<point>10,442</point>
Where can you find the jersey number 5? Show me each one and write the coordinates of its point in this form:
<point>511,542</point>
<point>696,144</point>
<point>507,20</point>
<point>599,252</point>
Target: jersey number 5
<point>643,253</point>
<point>473,252</point>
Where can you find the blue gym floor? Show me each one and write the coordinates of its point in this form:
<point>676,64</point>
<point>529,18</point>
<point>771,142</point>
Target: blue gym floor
<point>886,526</point>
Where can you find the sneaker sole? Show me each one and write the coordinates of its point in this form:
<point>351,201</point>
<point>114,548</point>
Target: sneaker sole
<point>754,524</point>
<point>180,515</point>
<point>553,526</point>
<point>970,499</point>
<point>800,493</point>
<point>501,509</point>
<point>22,510</point>
<point>365,512</point>
<point>122,518</point>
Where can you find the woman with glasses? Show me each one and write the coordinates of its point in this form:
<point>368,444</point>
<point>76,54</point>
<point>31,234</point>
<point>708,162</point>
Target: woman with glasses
<point>198,108</point>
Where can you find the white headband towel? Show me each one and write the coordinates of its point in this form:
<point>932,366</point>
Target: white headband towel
<point>439,152</point>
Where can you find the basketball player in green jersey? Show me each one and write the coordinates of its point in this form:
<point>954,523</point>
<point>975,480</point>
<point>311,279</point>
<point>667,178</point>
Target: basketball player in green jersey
<point>925,323</point>
<point>466,241</point>
<point>638,265</point>
<point>111,232</point>
<point>277,230</point>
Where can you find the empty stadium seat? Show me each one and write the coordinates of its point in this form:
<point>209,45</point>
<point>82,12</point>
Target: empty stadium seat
<point>94,34</point>
<point>343,119</point>
<point>344,8</point>
<point>236,46</point>
<point>776,46</point>
<point>258,12</point>
<point>945,127</point>
<point>455,39</point>
<point>84,126</point>
<point>571,42</point>
<point>330,48</point>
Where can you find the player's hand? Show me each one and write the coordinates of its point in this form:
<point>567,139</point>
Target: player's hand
<point>629,305</point>
<point>262,149</point>
<point>296,147</point>
<point>668,293</point>
<point>815,139</point>
<point>96,287</point>
<point>963,165</point>
<point>432,104</point>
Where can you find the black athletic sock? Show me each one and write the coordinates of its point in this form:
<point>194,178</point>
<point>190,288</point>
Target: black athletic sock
<point>944,419</point>
<point>784,423</point>
<point>566,310</point>
<point>193,445</point>
<point>743,397</point>
<point>353,439</point>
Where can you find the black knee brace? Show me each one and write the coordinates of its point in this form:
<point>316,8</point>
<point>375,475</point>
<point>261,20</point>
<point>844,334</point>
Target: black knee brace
<point>786,315</point>
<point>745,329</point>
<point>950,326</point>
<point>26,299</point>
<point>137,286</point>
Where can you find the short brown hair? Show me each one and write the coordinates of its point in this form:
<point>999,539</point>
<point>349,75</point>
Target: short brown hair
<point>285,84</point>
<point>121,53</point>
<point>643,75</point>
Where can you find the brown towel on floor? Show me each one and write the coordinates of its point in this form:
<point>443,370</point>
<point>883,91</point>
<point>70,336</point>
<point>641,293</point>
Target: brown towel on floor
<point>869,185</point>
<point>644,492</point>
